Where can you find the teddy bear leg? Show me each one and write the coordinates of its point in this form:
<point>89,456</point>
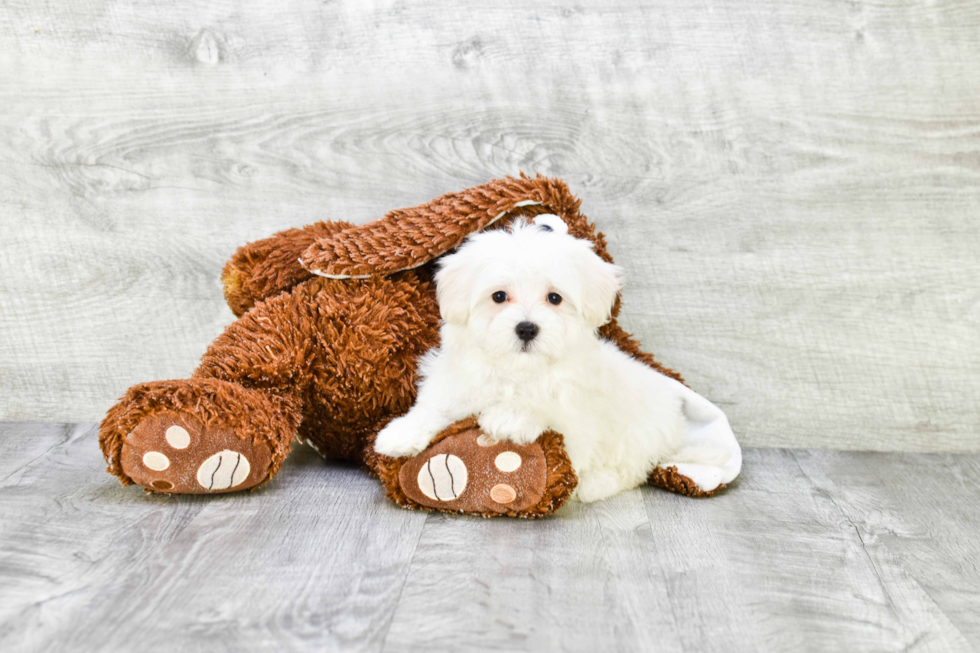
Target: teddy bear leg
<point>465,471</point>
<point>267,267</point>
<point>229,427</point>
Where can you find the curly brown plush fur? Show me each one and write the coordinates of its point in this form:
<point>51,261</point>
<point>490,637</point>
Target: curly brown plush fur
<point>216,404</point>
<point>329,361</point>
<point>408,238</point>
<point>270,266</point>
<point>669,479</point>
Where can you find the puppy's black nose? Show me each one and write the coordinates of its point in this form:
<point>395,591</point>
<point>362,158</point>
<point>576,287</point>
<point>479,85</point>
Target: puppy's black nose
<point>526,331</point>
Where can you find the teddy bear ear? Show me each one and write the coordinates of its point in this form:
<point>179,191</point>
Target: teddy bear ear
<point>408,238</point>
<point>550,222</point>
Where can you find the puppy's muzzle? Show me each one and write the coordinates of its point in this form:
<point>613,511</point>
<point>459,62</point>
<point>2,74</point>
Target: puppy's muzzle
<point>526,331</point>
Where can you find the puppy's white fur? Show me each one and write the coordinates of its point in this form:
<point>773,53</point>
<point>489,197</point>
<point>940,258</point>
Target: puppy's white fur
<point>619,417</point>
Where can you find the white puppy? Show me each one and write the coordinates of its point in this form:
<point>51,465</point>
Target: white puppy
<point>521,351</point>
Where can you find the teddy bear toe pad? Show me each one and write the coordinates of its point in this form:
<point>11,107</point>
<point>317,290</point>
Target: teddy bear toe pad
<point>443,477</point>
<point>176,454</point>
<point>471,473</point>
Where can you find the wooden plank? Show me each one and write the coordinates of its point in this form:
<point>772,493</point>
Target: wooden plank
<point>916,518</point>
<point>776,564</point>
<point>25,442</point>
<point>792,188</point>
<point>772,565</point>
<point>809,550</point>
<point>314,561</point>
<point>579,581</point>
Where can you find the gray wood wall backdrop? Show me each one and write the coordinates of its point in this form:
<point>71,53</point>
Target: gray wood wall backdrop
<point>793,187</point>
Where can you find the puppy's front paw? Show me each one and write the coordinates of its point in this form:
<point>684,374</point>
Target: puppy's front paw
<point>502,424</point>
<point>597,485</point>
<point>403,436</point>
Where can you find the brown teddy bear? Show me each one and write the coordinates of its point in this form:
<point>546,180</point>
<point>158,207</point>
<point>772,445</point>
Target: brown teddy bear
<point>332,319</point>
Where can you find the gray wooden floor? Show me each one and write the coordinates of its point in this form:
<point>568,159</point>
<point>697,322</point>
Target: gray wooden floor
<point>810,550</point>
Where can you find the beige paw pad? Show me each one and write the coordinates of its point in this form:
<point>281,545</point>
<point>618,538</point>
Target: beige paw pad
<point>156,461</point>
<point>485,440</point>
<point>507,461</point>
<point>223,470</point>
<point>443,477</point>
<point>178,437</point>
<point>503,493</point>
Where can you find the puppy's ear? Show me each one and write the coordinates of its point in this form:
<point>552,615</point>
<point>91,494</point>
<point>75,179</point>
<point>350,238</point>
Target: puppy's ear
<point>454,282</point>
<point>601,282</point>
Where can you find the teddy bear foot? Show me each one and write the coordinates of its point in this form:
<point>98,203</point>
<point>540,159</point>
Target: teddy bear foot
<point>176,454</point>
<point>194,436</point>
<point>670,479</point>
<point>465,471</point>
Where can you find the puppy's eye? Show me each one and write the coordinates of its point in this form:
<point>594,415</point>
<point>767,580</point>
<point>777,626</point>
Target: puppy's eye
<point>500,296</point>
<point>545,227</point>
<point>554,298</point>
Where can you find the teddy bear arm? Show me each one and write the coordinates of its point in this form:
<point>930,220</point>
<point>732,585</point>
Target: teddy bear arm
<point>267,267</point>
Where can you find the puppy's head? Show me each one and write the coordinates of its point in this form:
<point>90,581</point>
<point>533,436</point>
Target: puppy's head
<point>529,292</point>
